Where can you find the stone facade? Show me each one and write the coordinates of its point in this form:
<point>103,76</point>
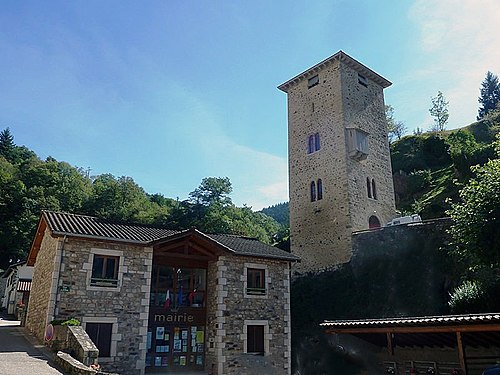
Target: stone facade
<point>127,306</point>
<point>335,104</point>
<point>44,286</point>
<point>230,310</point>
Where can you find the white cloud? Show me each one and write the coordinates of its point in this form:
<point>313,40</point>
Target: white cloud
<point>459,40</point>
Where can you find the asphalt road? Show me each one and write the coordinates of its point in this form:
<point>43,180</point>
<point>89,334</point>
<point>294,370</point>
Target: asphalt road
<point>18,356</point>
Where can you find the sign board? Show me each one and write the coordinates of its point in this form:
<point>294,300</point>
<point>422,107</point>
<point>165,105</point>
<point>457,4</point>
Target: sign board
<point>49,333</point>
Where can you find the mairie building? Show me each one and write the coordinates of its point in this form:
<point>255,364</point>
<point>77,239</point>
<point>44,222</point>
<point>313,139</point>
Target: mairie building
<point>163,301</point>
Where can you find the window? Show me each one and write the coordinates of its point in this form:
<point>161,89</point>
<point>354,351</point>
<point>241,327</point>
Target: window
<point>173,287</point>
<point>255,339</point>
<point>313,191</point>
<point>311,144</point>
<point>256,282</point>
<point>100,334</point>
<point>374,189</point>
<point>105,270</point>
<point>320,189</point>
<point>317,145</point>
<point>313,81</point>
<point>362,80</point>
<point>357,143</point>
<point>369,187</point>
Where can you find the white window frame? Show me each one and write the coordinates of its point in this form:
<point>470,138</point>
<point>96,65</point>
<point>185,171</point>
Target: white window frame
<point>267,280</point>
<point>115,336</point>
<point>267,335</point>
<point>87,267</point>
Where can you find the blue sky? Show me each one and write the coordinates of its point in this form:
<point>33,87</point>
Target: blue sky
<point>169,92</point>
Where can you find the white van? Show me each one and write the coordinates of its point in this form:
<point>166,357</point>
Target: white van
<point>415,218</point>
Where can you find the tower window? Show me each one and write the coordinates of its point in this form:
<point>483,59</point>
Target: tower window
<point>313,81</point>
<point>313,143</point>
<point>311,146</point>
<point>320,189</point>
<point>362,80</point>
<point>369,187</point>
<point>374,190</point>
<point>313,191</point>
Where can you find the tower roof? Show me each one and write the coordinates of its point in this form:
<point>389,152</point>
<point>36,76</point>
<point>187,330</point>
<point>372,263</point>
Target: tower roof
<point>344,58</point>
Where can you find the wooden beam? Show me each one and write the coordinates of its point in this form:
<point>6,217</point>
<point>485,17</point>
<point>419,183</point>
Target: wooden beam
<point>461,353</point>
<point>390,346</point>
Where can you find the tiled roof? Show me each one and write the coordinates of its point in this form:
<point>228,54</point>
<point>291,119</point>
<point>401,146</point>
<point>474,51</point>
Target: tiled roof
<point>251,247</point>
<point>469,319</point>
<point>92,227</point>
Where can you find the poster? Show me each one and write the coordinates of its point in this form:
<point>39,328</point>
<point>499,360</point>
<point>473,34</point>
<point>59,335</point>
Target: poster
<point>184,334</point>
<point>158,361</point>
<point>200,337</point>
<point>182,360</point>
<point>199,360</point>
<point>177,345</point>
<point>149,340</point>
<point>164,362</point>
<point>160,333</point>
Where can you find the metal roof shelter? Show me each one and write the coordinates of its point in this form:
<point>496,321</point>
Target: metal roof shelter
<point>453,331</point>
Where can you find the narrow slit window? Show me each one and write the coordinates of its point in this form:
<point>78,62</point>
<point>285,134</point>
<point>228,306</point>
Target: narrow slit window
<point>313,191</point>
<point>310,149</point>
<point>369,187</point>
<point>320,189</point>
<point>317,144</point>
<point>374,190</point>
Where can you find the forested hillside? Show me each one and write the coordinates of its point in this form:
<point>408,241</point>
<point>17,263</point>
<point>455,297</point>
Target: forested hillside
<point>429,169</point>
<point>29,185</point>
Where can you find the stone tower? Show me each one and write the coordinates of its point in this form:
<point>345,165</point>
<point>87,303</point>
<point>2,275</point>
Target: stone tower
<point>339,161</point>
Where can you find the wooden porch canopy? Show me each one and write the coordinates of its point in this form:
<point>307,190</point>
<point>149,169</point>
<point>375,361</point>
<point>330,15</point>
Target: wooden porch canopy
<point>454,331</point>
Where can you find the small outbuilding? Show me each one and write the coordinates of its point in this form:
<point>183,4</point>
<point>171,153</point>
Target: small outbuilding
<point>444,345</point>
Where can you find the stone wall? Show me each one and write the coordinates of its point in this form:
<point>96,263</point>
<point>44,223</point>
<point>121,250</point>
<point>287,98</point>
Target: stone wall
<point>229,310</point>
<point>321,230</point>
<point>44,286</point>
<point>125,306</point>
<point>363,108</point>
<point>394,271</point>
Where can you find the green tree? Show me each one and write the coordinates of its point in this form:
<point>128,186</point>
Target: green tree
<point>490,95</point>
<point>212,190</point>
<point>7,145</point>
<point>395,129</point>
<point>439,110</point>
<point>475,237</point>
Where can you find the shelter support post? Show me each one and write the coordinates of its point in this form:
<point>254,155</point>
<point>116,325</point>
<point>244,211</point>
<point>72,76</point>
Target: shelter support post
<point>390,346</point>
<point>461,353</point>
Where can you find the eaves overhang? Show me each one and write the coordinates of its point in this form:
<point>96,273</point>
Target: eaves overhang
<point>344,58</point>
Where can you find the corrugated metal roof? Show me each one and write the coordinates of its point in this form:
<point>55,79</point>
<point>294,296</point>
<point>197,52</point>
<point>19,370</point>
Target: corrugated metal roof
<point>63,223</point>
<point>468,319</point>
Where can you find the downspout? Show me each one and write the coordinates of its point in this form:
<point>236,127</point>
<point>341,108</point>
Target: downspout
<point>58,278</point>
